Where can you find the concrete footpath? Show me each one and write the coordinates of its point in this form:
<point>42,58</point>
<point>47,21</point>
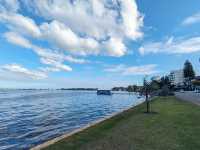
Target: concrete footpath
<point>189,96</point>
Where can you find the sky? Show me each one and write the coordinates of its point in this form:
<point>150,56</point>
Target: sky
<point>95,43</point>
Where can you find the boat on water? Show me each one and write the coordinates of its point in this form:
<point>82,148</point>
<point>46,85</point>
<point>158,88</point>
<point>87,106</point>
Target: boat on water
<point>104,92</point>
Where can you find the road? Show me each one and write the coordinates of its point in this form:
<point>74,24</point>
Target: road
<point>189,96</point>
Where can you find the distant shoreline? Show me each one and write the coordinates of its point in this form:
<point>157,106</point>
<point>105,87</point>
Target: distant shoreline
<point>70,89</point>
<point>79,89</point>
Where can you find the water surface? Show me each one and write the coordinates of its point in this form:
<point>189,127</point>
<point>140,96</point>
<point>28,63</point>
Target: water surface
<point>30,117</point>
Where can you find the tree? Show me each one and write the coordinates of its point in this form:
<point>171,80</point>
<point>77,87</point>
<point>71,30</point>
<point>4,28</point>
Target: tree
<point>135,88</point>
<point>130,88</point>
<point>165,81</point>
<point>188,70</point>
<point>154,85</point>
<point>165,86</point>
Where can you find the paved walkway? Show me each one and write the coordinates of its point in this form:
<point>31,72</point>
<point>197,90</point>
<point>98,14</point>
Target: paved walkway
<point>189,96</point>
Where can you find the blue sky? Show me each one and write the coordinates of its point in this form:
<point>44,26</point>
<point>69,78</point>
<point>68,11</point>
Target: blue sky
<point>95,43</point>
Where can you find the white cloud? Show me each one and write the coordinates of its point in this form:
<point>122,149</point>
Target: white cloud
<point>63,37</point>
<point>71,28</point>
<point>96,18</point>
<point>192,19</point>
<point>90,27</point>
<point>9,5</point>
<point>141,70</point>
<point>49,69</point>
<point>21,24</point>
<point>57,65</point>
<point>114,47</point>
<point>132,20</point>
<point>75,60</point>
<point>172,46</point>
<point>133,70</point>
<point>18,69</point>
<point>16,39</point>
<point>48,57</point>
<point>56,56</point>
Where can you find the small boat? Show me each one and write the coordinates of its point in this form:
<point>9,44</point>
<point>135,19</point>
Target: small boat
<point>104,92</point>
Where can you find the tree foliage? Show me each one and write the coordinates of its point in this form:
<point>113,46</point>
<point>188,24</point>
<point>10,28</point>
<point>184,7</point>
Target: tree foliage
<point>188,70</point>
<point>165,81</point>
<point>155,85</point>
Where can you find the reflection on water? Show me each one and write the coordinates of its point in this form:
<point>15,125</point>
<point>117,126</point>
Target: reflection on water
<point>29,118</point>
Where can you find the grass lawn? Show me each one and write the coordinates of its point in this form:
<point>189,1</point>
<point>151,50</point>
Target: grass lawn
<point>176,126</point>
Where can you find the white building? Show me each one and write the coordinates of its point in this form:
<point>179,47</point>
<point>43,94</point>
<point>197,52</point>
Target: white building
<point>177,77</point>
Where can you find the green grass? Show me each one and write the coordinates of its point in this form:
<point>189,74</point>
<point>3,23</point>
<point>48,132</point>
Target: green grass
<point>175,126</point>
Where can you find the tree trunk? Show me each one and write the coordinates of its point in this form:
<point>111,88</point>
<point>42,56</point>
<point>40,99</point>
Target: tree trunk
<point>147,102</point>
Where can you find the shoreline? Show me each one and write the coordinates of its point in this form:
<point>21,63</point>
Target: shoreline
<point>92,124</point>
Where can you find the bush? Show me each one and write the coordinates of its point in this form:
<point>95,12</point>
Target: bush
<point>165,91</point>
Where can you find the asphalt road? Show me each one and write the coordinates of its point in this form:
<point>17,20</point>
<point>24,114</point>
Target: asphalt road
<point>189,96</point>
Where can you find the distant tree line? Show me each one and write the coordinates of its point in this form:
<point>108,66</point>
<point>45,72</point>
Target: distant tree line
<point>130,88</point>
<point>162,87</point>
<point>80,89</point>
<point>153,85</point>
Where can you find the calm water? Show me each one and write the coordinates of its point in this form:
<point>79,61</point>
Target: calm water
<point>29,118</point>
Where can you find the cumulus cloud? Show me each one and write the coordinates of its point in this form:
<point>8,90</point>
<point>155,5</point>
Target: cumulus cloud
<point>192,19</point>
<point>130,14</point>
<point>89,27</point>
<point>19,23</point>
<point>172,46</point>
<point>114,47</point>
<point>133,70</point>
<point>18,69</point>
<point>96,18</point>
<point>63,37</point>
<point>48,56</point>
